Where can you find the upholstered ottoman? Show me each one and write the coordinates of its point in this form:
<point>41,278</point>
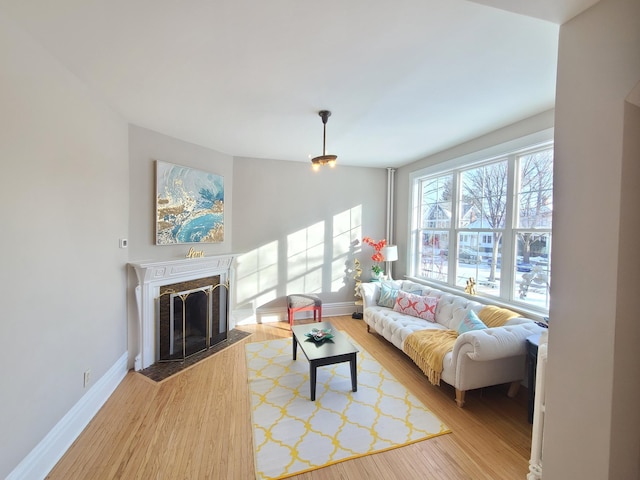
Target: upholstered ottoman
<point>300,302</point>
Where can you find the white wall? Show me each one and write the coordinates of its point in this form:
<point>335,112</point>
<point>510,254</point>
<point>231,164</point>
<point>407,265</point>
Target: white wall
<point>589,359</point>
<point>65,199</point>
<point>295,228</point>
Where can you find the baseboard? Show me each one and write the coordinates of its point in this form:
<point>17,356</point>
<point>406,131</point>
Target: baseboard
<point>337,309</point>
<point>39,462</point>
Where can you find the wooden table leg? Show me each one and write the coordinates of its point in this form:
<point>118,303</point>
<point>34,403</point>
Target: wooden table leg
<point>295,347</point>
<point>312,380</point>
<point>354,373</point>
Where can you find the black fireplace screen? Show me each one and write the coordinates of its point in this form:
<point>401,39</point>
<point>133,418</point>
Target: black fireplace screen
<point>192,317</point>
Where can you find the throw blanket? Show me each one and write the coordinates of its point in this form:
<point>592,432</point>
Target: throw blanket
<point>493,316</point>
<point>427,349</point>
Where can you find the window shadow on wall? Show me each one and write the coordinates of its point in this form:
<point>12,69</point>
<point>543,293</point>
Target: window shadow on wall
<point>317,258</point>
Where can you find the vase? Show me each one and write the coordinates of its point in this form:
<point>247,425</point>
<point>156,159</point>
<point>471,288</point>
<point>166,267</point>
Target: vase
<point>376,276</point>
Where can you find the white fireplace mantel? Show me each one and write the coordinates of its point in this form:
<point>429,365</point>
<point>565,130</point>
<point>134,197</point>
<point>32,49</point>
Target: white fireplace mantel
<point>152,276</point>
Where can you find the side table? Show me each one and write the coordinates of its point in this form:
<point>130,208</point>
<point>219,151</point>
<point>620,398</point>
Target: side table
<point>532,360</point>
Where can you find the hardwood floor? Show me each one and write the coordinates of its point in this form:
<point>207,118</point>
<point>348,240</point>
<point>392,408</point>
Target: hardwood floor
<point>197,425</point>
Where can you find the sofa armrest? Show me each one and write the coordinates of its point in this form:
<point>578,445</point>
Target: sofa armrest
<point>369,292</point>
<point>494,343</point>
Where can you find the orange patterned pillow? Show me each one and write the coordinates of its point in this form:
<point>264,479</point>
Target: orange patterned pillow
<point>416,306</point>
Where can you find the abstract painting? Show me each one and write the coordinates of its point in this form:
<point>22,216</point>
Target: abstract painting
<point>189,205</point>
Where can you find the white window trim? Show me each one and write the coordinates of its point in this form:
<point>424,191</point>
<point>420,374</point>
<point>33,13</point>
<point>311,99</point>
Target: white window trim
<point>507,150</point>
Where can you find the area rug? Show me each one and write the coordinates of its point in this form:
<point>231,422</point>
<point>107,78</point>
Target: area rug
<point>161,371</point>
<point>293,435</point>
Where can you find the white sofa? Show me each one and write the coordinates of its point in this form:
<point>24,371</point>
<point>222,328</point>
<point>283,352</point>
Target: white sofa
<point>479,358</point>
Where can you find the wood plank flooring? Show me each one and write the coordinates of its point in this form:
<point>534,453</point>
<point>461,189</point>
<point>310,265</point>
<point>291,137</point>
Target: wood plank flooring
<point>197,425</point>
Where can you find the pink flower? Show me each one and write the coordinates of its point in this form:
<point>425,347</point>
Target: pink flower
<point>377,247</point>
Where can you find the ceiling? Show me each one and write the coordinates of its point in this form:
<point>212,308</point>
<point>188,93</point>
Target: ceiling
<point>404,78</point>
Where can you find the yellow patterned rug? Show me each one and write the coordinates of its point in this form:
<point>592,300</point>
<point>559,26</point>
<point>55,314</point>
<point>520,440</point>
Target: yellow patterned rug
<point>292,434</point>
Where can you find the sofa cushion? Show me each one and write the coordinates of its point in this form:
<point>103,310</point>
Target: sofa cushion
<point>470,322</point>
<point>416,305</point>
<point>395,326</point>
<point>494,316</point>
<point>388,295</point>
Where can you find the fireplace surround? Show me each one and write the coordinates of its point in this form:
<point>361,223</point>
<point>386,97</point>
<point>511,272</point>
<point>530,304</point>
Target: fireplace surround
<point>171,283</point>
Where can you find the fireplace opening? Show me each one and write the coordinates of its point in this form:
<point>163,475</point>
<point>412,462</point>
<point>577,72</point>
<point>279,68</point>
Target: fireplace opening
<point>192,317</point>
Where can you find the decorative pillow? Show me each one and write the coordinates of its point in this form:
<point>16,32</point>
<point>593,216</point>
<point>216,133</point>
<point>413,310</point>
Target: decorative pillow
<point>493,316</point>
<point>411,287</point>
<point>470,322</point>
<point>388,296</point>
<point>416,306</point>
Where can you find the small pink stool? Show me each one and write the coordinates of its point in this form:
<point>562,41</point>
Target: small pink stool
<point>302,302</point>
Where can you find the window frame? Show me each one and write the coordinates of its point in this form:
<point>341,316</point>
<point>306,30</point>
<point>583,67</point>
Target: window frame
<point>508,291</point>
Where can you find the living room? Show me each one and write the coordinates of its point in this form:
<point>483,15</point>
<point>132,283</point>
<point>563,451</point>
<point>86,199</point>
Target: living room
<point>86,189</point>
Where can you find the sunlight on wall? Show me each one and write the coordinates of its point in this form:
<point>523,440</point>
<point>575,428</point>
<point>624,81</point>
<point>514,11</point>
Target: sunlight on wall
<point>315,259</point>
<point>305,259</point>
<point>257,276</point>
<point>347,228</point>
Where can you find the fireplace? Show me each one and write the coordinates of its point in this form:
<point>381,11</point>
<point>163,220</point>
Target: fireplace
<point>183,307</point>
<point>192,317</point>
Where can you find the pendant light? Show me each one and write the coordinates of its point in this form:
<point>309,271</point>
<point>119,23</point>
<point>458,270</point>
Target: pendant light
<point>324,159</point>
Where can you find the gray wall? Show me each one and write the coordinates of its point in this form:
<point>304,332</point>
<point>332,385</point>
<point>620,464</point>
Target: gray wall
<point>592,429</point>
<point>65,199</point>
<point>297,229</point>
<point>147,146</point>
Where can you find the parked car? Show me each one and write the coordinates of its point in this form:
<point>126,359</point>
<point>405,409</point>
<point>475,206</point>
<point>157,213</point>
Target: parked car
<point>524,267</point>
<point>541,261</point>
<point>466,255</point>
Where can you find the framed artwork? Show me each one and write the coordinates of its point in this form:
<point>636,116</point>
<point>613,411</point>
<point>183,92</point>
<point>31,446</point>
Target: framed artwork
<point>189,205</point>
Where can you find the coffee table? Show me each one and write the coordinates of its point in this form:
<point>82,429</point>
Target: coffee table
<point>334,350</point>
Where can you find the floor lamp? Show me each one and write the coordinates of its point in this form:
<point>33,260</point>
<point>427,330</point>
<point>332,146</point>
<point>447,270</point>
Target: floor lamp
<point>390,253</point>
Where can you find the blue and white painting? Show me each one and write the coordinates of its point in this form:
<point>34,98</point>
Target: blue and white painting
<point>189,205</point>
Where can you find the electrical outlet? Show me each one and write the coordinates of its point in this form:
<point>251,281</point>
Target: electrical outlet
<point>87,378</point>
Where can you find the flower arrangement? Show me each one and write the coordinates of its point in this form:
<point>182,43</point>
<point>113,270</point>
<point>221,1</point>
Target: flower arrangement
<point>377,255</point>
<point>318,335</point>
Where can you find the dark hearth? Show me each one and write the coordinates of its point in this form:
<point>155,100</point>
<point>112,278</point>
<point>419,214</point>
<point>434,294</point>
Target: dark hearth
<point>160,371</point>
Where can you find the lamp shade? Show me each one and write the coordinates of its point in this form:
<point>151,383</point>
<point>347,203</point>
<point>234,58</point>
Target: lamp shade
<point>390,253</point>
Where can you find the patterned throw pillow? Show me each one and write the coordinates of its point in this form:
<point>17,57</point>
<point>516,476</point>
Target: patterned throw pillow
<point>470,322</point>
<point>416,306</point>
<point>388,296</point>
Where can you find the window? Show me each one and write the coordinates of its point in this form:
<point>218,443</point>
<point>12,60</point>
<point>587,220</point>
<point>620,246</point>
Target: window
<point>489,220</point>
<point>434,213</point>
